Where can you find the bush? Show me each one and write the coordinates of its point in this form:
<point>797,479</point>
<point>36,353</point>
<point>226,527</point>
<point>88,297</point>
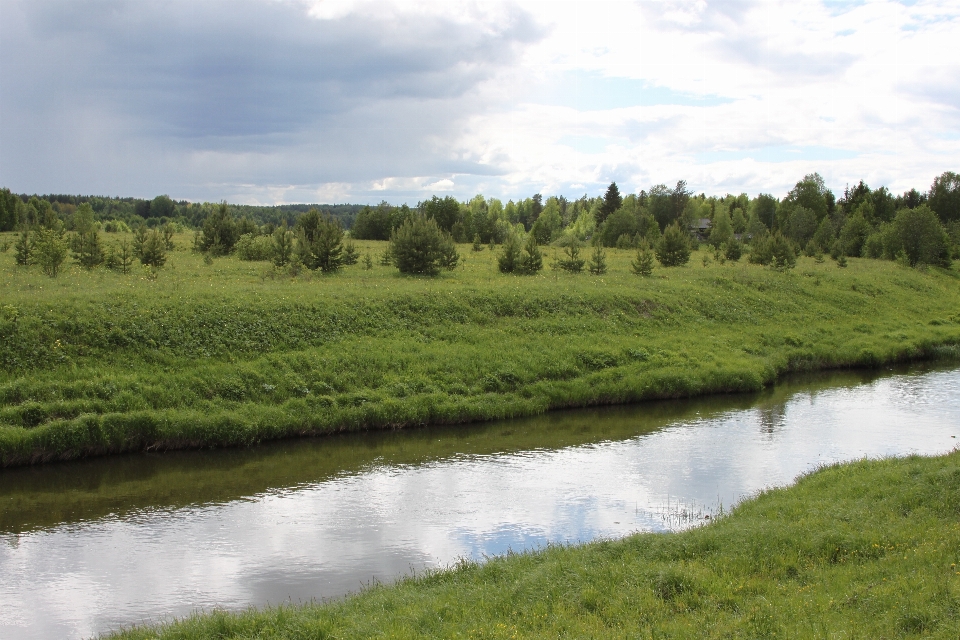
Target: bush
<point>420,247</point>
<point>734,250</point>
<point>253,247</point>
<point>673,249</point>
<point>220,232</point>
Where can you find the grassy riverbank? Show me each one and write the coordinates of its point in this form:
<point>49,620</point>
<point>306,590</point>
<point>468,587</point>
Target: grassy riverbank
<point>862,550</point>
<point>234,353</point>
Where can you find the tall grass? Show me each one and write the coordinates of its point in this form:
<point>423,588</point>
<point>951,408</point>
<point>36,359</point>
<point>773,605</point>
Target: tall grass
<point>234,353</point>
<point>862,550</point>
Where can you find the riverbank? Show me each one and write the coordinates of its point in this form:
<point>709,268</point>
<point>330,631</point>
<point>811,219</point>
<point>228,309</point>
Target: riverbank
<point>864,549</point>
<point>233,353</point>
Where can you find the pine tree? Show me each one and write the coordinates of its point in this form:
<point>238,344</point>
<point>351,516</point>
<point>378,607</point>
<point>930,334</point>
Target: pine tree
<point>153,252</point>
<point>50,250</point>
<point>643,264</point>
<point>673,249</point>
<point>573,262</point>
<point>477,245</point>
<point>350,253</point>
<point>282,245</point>
<point>509,259</point>
<point>24,247</point>
<point>598,261</point>
<point>531,262</point>
<point>611,202</point>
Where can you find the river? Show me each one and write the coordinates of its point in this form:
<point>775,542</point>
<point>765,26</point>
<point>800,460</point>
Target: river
<point>94,545</point>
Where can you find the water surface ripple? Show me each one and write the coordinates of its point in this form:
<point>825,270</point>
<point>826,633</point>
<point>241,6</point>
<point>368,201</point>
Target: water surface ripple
<point>92,546</point>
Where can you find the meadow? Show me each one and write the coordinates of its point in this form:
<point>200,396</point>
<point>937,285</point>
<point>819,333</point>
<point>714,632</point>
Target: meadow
<point>232,353</point>
<point>861,550</point>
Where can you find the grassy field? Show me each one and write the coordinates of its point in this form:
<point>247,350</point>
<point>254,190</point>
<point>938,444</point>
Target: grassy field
<point>233,353</point>
<point>861,550</point>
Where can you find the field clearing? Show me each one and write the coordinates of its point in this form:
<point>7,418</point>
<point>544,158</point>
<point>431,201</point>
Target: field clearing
<point>233,353</point>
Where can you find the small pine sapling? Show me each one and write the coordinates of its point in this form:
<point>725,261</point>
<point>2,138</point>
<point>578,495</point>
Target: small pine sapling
<point>598,261</point>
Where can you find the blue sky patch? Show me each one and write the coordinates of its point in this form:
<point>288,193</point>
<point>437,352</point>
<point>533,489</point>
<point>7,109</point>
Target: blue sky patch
<point>589,91</point>
<point>777,153</point>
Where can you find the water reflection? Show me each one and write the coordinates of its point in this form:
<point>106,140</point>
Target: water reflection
<point>90,546</point>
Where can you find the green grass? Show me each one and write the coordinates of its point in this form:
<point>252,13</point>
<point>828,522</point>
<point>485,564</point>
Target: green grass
<point>234,353</point>
<point>861,550</point>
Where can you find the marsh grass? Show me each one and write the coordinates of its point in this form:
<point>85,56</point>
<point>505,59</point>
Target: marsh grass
<point>235,352</point>
<point>860,550</point>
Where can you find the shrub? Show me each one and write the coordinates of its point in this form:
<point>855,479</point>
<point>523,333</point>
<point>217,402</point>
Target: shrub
<point>734,250</point>
<point>220,232</point>
<point>254,247</point>
<point>49,251</point>
<point>673,249</point>
<point>420,247</point>
<point>350,253</point>
<point>282,246</point>
<point>23,248</point>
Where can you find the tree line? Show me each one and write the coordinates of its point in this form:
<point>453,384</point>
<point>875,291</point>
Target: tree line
<point>914,227</point>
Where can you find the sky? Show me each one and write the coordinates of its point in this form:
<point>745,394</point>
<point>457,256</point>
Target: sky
<point>329,101</point>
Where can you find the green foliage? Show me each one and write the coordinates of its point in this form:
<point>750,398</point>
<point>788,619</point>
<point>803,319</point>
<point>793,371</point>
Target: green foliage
<point>643,263</point>
<point>373,224</point>
<point>351,255</point>
<point>945,196</point>
<point>721,232</point>
<point>120,257</point>
<point>572,261</point>
<point>673,249</point>
<point>622,222</point>
<point>919,235</point>
<point>319,242</point>
<point>854,234</point>
<point>509,259</point>
<point>9,216</point>
<point>154,250</point>
<point>531,260</point>
<point>421,247</point>
<point>598,261</point>
<point>282,246</point>
<point>219,233</point>
<point>612,201</point>
<point>367,262</point>
<point>49,250</point>
<point>477,244</point>
<point>139,238</point>
<point>252,247</point>
<point>733,250</point>
<point>23,247</point>
<point>445,212</point>
<point>782,255</point>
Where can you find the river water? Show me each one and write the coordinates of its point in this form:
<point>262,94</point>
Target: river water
<point>92,546</point>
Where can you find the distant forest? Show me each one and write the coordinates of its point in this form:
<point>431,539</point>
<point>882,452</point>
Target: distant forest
<point>811,216</point>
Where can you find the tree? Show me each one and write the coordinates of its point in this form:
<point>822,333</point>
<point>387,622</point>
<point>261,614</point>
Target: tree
<point>853,234</point>
<point>611,202</point>
<point>421,247</point>
<point>220,231</point>
<point>572,262</point>
<point>320,242</point>
<point>8,210</point>
<point>598,261</point>
<point>722,230</point>
<point>622,222</point>
<point>50,250</point>
<point>643,264</point>
<point>86,246</point>
<point>282,245</point>
<point>811,193</point>
<point>733,250</point>
<point>477,244</point>
<point>918,234</point>
<point>162,207</point>
<point>680,196</point>
<point>673,250</point>
<point>661,205</point>
<point>531,261</point>
<point>351,255</point>
<point>373,224</point>
<point>944,196</point>
<point>154,252</point>
<point>509,259</point>
<point>23,247</point>
<point>445,212</point>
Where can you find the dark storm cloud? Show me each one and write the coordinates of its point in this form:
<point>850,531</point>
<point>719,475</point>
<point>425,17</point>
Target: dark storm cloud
<point>349,99</point>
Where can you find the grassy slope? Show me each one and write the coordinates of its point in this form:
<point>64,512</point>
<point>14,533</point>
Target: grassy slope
<point>861,550</point>
<point>231,354</point>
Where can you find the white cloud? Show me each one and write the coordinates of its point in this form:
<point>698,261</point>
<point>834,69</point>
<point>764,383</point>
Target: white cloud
<point>272,101</point>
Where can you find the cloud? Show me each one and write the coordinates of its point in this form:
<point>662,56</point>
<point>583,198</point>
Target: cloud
<point>276,100</point>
